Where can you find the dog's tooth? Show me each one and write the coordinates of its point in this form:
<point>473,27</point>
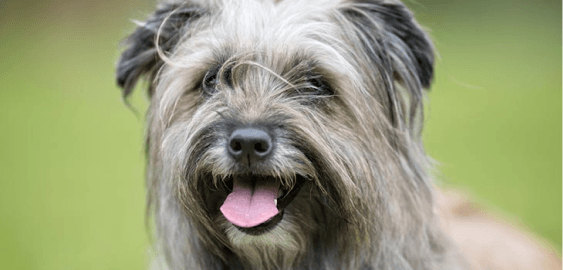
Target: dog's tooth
<point>276,202</point>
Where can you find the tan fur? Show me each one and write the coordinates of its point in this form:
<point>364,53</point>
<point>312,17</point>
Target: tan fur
<point>490,241</point>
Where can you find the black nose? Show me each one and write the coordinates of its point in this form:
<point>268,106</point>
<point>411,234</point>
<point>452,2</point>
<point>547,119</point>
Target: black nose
<point>249,145</point>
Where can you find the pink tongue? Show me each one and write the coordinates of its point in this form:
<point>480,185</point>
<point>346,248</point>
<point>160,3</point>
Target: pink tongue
<point>248,207</point>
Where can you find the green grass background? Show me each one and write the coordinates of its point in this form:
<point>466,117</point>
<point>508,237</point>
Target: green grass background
<point>71,163</point>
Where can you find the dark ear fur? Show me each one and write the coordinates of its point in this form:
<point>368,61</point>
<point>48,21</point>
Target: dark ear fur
<point>400,22</point>
<point>141,56</point>
<point>401,35</point>
<point>399,48</point>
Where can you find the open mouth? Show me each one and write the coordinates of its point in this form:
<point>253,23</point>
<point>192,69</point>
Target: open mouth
<point>256,203</point>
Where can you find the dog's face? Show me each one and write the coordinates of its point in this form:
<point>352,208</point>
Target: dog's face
<point>277,127</point>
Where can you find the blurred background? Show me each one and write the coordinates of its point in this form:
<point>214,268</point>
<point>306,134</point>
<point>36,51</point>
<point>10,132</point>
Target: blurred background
<point>71,162</point>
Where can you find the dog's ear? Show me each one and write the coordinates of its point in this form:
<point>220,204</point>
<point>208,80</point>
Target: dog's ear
<point>141,58</point>
<point>390,33</point>
<point>397,46</point>
<point>416,51</point>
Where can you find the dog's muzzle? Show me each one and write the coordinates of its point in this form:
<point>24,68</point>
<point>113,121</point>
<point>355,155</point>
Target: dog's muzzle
<point>256,203</point>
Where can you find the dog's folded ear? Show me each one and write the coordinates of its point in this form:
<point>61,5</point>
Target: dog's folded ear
<point>399,49</point>
<point>391,35</point>
<point>141,58</point>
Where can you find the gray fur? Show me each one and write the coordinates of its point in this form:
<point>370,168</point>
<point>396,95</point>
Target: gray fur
<point>339,84</point>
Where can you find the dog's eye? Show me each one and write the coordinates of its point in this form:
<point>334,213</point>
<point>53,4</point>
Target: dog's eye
<point>211,80</point>
<point>318,86</point>
<point>214,77</point>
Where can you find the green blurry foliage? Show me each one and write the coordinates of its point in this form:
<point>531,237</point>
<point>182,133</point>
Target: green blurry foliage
<point>71,162</point>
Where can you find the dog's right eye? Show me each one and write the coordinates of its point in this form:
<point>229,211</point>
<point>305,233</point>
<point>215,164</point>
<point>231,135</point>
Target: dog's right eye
<point>214,77</point>
<point>211,80</point>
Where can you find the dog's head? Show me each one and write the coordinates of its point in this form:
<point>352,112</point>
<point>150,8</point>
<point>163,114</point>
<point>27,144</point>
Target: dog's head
<point>287,119</point>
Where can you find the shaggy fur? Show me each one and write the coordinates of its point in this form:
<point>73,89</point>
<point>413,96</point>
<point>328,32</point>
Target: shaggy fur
<point>339,85</point>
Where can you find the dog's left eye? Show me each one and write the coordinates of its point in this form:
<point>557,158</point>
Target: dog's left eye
<point>318,86</point>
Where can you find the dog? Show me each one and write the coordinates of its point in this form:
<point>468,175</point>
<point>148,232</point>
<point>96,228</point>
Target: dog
<point>287,135</point>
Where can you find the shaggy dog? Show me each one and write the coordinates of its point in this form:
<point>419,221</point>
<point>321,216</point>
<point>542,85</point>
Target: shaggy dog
<point>286,135</point>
